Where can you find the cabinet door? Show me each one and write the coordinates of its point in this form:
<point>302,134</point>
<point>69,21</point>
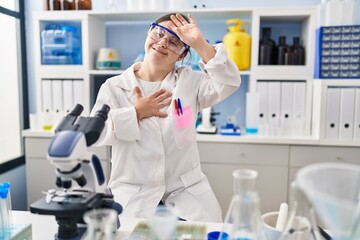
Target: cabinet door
<point>219,160</point>
<point>40,176</point>
<point>301,156</point>
<point>271,184</point>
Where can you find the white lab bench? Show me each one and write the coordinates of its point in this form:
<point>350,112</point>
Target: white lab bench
<point>45,227</point>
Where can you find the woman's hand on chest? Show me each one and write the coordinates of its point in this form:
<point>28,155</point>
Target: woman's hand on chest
<point>149,106</point>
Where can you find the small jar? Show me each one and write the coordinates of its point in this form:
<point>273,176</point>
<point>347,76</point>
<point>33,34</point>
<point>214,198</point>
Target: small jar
<point>83,4</point>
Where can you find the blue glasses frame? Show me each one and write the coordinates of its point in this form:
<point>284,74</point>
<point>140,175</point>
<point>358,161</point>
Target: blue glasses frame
<point>169,31</point>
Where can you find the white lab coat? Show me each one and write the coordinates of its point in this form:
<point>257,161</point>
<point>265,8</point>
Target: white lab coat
<point>154,160</point>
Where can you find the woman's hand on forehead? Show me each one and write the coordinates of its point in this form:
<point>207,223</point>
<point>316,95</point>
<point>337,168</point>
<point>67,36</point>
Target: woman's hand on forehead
<point>188,32</point>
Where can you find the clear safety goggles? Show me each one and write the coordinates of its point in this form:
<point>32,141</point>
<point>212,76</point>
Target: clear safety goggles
<point>173,42</point>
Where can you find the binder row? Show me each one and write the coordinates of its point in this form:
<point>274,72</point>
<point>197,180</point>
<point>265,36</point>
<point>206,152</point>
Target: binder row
<point>343,113</point>
<point>282,108</point>
<point>60,96</point>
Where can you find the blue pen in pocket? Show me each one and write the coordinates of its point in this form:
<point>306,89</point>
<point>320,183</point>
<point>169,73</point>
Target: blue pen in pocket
<point>180,107</point>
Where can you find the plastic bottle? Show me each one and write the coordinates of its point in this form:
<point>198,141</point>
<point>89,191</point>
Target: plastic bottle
<point>282,49</point>
<point>243,219</point>
<point>267,48</point>
<point>299,52</point>
<point>237,43</point>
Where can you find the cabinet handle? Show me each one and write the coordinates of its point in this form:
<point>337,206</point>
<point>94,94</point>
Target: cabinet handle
<point>242,154</point>
<point>340,159</point>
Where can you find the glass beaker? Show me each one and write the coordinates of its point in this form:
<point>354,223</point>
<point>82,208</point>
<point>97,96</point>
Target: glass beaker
<point>163,223</point>
<point>301,222</point>
<point>243,219</point>
<point>101,224</point>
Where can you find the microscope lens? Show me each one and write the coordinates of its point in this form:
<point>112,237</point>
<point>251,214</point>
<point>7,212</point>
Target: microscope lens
<point>66,184</point>
<point>81,181</point>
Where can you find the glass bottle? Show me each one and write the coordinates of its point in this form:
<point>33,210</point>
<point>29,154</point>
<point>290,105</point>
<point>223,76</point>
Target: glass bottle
<point>267,48</point>
<point>83,5</point>
<point>299,52</point>
<point>101,224</point>
<point>301,222</point>
<point>282,49</point>
<point>68,5</point>
<point>55,5</point>
<point>243,219</point>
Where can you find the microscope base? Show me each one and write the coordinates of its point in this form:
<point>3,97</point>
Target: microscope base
<point>206,130</point>
<point>69,213</point>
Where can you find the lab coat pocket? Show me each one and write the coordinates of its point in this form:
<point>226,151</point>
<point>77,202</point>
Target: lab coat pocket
<point>195,182</point>
<point>123,192</point>
<point>184,130</point>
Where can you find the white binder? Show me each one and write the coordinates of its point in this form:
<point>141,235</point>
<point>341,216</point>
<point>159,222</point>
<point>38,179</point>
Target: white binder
<point>332,113</point>
<point>274,96</point>
<point>68,95</point>
<point>357,115</point>
<point>299,112</point>
<point>286,106</point>
<point>57,96</point>
<point>78,89</point>
<point>46,94</point>
<point>262,89</point>
<point>347,107</point>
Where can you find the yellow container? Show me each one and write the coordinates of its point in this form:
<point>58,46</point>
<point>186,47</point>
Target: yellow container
<point>237,43</point>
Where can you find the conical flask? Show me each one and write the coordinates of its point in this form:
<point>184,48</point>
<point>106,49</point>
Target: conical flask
<point>301,222</point>
<point>243,219</point>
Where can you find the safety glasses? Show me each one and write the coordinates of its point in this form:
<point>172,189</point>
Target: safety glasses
<point>173,42</point>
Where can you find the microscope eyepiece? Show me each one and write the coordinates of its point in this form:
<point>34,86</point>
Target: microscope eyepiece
<point>77,110</point>
<point>81,180</point>
<point>103,112</point>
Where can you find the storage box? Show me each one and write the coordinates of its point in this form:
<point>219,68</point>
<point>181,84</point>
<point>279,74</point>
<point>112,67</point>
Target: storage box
<point>338,52</point>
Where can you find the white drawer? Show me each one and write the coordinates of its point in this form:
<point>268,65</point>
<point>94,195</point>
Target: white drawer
<point>262,154</point>
<point>303,155</point>
<point>38,147</point>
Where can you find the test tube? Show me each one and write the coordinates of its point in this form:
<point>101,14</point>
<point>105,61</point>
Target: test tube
<point>5,209</point>
<point>8,201</point>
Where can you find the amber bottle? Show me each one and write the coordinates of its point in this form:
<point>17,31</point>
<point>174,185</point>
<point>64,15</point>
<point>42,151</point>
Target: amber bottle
<point>83,4</point>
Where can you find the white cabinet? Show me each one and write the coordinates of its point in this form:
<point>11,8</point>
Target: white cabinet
<point>219,160</point>
<point>40,173</point>
<point>301,156</point>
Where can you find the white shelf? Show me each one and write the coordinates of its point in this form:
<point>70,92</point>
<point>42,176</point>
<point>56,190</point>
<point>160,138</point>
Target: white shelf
<point>106,72</point>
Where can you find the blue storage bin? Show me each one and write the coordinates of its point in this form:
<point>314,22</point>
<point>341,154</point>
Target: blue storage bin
<point>61,45</point>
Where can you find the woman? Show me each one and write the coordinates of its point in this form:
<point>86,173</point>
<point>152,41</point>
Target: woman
<point>151,124</point>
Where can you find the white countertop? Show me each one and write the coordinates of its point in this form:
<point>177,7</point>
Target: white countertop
<point>45,226</point>
<point>246,139</point>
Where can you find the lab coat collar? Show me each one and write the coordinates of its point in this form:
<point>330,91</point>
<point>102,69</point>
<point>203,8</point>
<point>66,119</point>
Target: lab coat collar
<point>128,80</point>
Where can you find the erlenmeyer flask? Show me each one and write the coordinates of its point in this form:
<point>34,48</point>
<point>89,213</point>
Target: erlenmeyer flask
<point>243,219</point>
<point>301,222</point>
